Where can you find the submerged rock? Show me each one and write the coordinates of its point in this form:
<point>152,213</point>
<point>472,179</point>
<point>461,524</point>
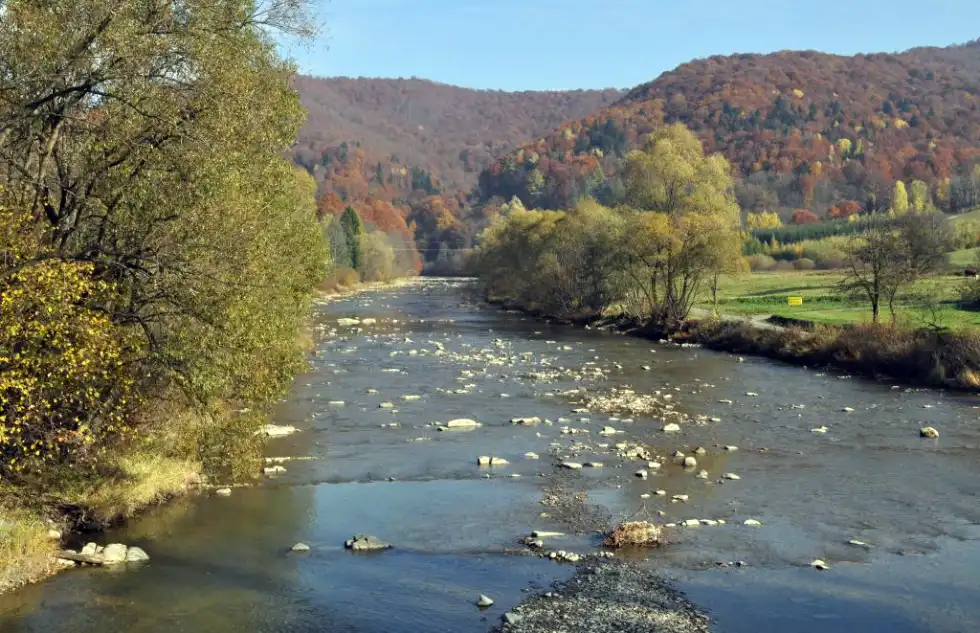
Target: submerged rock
<point>136,555</point>
<point>365,543</point>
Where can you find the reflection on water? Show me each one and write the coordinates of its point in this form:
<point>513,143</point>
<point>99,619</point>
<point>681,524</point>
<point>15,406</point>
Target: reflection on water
<point>222,564</point>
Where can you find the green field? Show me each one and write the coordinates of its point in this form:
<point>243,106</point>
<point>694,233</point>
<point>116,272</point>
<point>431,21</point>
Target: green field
<point>764,293</point>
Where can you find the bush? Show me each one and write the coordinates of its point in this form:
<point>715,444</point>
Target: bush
<point>804,264</point>
<point>759,263</point>
<point>783,266</point>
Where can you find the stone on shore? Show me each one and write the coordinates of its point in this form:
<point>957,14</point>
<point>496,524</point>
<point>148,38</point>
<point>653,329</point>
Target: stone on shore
<point>136,555</point>
<point>365,543</point>
<point>114,553</point>
<point>274,430</point>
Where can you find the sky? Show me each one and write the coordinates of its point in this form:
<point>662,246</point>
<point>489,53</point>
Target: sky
<point>566,44</point>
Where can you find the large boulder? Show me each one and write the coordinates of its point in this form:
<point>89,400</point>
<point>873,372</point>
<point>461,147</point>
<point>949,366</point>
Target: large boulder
<point>365,543</point>
<point>136,555</point>
<point>114,553</point>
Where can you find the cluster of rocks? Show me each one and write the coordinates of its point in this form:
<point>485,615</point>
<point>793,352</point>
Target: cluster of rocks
<point>365,543</point>
<point>95,554</point>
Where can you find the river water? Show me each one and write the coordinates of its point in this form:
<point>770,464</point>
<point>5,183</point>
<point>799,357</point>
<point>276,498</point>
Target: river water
<point>222,564</point>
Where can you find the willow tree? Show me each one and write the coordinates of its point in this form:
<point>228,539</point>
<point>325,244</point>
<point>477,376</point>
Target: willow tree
<point>685,221</point>
<point>141,152</point>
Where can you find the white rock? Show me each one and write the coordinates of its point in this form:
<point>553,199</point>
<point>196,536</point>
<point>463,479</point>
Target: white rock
<point>498,461</point>
<point>691,523</point>
<point>273,430</point>
<point>751,522</point>
<point>273,470</point>
<point>114,554</point>
<point>681,498</point>
<point>136,555</point>
<point>410,397</point>
<point>593,464</point>
<point>928,432</point>
<point>671,428</point>
<point>525,421</point>
<point>847,409</point>
<point>90,549</point>
<point>546,534</point>
<point>348,322</point>
<point>608,430</point>
<point>690,462</point>
<point>642,474</point>
<point>462,423</point>
<point>53,534</point>
<point>484,601</point>
<point>819,430</point>
<point>483,460</point>
<point>570,465</point>
<point>751,394</point>
<point>731,476</point>
<point>857,543</point>
<point>819,564</point>
<point>531,456</point>
<point>300,547</point>
<point>703,474</point>
<point>368,321</point>
<point>731,449</point>
<point>223,492</point>
<point>660,493</point>
<point>336,403</point>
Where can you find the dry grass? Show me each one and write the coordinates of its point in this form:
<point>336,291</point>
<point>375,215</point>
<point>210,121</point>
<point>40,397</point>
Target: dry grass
<point>25,549</point>
<point>946,359</point>
<point>635,534</point>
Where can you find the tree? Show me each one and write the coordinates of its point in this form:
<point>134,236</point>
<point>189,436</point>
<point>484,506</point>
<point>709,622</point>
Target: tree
<point>763,220</point>
<point>353,227</point>
<point>886,257</point>
<point>142,163</point>
<point>804,216</point>
<point>900,199</point>
<point>685,223</point>
<point>920,198</point>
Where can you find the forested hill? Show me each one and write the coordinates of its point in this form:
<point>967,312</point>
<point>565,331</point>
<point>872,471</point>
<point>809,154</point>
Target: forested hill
<point>447,132</point>
<point>802,130</point>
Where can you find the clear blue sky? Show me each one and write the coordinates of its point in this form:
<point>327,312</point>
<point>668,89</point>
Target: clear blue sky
<point>561,44</point>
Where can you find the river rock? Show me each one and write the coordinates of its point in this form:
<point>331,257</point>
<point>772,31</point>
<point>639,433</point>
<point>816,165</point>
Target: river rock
<point>608,430</point>
<point>847,410</point>
<point>680,498</point>
<point>690,462</point>
<point>700,450</point>
<point>752,522</point>
<point>273,470</point>
<point>731,476</point>
<point>274,430</point>
<point>525,421</point>
<point>570,465</point>
<point>483,460</point>
<point>703,474</point>
<point>462,423</point>
<point>136,555</point>
<point>820,430</point>
<point>531,455</point>
<point>484,601</point>
<point>386,405</point>
<point>90,549</point>
<point>928,432</point>
<point>369,321</point>
<point>300,547</point>
<point>498,461</point>
<point>223,492</point>
<point>53,534</point>
<point>819,564</point>
<point>365,543</point>
<point>114,553</point>
<point>512,618</point>
<point>642,474</point>
<point>671,428</point>
<point>346,322</point>
<point>730,449</point>
<point>691,523</point>
<point>546,534</point>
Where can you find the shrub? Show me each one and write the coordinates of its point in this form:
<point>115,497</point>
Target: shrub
<point>784,266</point>
<point>760,262</point>
<point>804,264</point>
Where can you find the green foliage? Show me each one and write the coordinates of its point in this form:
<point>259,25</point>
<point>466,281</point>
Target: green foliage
<point>156,244</point>
<point>353,228</point>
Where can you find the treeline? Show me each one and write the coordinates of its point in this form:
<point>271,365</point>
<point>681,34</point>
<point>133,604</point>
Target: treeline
<point>364,253</point>
<point>678,232</point>
<point>157,251</point>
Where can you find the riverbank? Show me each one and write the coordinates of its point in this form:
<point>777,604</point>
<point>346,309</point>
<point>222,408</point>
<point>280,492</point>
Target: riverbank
<point>923,358</point>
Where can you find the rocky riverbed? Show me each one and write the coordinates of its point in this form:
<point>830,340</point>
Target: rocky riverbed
<point>491,452</point>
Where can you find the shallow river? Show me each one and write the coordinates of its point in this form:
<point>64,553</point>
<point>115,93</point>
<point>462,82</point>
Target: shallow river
<point>222,564</point>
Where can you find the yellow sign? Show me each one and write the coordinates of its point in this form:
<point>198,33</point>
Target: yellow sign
<point>794,301</point>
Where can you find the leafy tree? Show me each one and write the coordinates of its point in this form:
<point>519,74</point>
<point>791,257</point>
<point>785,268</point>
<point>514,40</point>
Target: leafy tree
<point>353,227</point>
<point>900,199</point>
<point>685,224</point>
<point>763,220</point>
<point>160,236</point>
<point>920,198</point>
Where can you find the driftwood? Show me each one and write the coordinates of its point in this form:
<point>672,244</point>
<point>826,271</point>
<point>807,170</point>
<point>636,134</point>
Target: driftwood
<point>80,558</point>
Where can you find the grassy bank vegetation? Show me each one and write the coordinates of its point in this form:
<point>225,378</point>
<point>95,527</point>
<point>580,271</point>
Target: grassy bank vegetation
<point>677,244</point>
<point>158,254</point>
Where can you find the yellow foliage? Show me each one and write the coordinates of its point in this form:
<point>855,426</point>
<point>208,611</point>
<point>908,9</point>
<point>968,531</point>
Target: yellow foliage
<point>763,220</point>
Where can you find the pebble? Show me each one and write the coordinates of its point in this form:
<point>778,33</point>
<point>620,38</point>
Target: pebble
<point>700,450</point>
<point>752,522</point>
<point>703,474</point>
<point>730,449</point>
<point>682,498</point>
<point>484,601</point>
<point>928,432</point>
<point>819,429</point>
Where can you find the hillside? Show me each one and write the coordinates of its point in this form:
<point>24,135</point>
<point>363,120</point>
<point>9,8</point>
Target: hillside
<point>404,152</point>
<point>801,129</point>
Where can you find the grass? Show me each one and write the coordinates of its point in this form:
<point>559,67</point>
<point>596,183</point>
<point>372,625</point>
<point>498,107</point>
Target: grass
<point>764,293</point>
<point>25,548</point>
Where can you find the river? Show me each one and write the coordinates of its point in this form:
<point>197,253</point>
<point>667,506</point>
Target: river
<point>222,564</point>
